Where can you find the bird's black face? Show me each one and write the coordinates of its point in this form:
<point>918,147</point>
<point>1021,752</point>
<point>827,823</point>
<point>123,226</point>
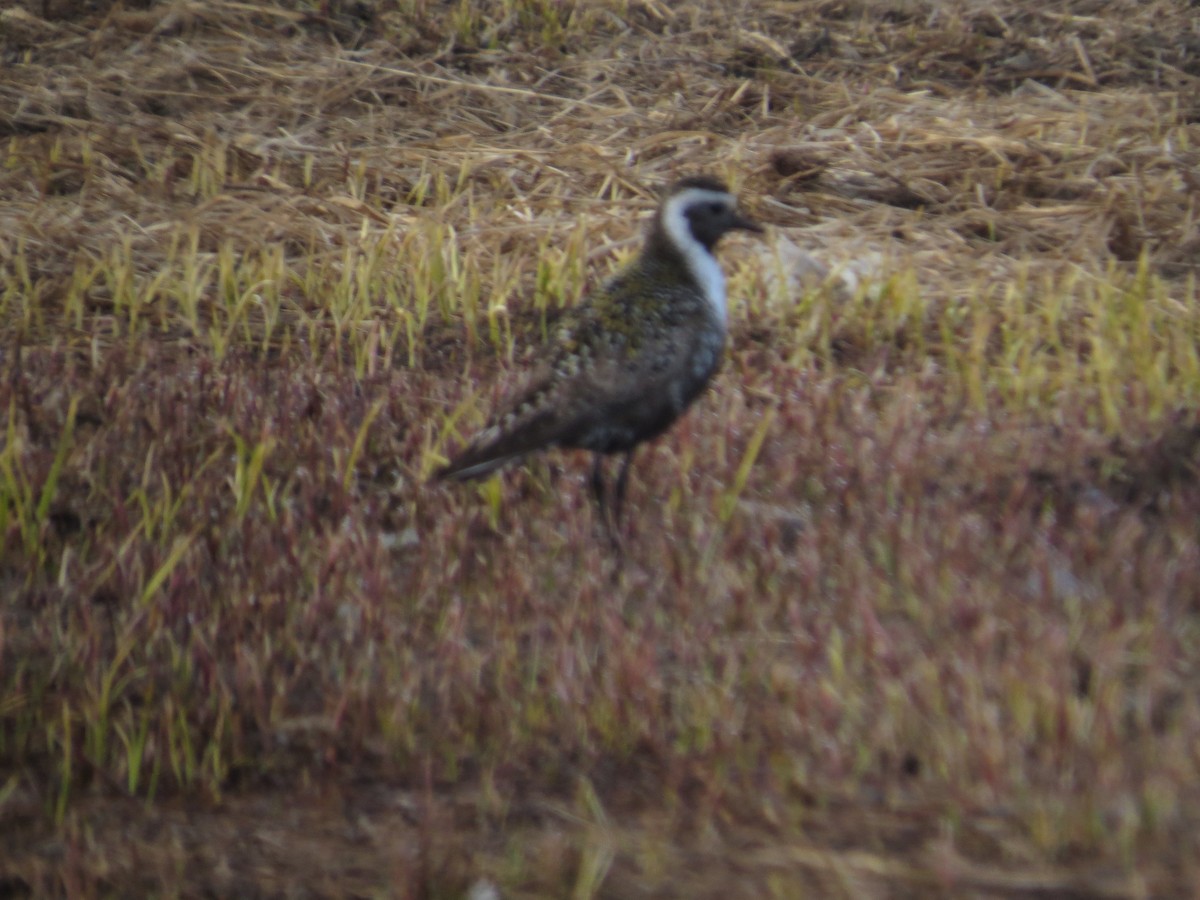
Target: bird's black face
<point>710,217</point>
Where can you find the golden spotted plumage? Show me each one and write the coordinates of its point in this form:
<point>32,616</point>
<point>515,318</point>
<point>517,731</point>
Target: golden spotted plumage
<point>625,363</point>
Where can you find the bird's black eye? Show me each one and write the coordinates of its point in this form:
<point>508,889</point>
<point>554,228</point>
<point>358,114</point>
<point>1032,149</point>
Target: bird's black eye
<point>716,208</point>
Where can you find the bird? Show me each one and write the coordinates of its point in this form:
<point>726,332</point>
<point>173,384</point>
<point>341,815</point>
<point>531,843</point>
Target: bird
<point>624,364</point>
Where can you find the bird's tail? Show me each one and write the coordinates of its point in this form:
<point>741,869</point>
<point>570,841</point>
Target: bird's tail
<point>531,427</point>
<point>473,464</point>
<point>489,450</point>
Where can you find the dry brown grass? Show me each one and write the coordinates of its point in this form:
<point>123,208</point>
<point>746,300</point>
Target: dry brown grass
<point>911,602</point>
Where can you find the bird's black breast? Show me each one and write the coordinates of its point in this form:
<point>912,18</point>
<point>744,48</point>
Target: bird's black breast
<point>661,388</point>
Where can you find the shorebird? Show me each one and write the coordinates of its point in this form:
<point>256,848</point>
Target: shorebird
<point>625,363</point>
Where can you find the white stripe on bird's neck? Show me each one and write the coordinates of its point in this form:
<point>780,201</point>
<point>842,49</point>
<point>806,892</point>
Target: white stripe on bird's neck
<point>702,265</point>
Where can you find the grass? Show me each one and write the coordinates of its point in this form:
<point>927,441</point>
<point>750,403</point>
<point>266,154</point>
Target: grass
<point>909,603</point>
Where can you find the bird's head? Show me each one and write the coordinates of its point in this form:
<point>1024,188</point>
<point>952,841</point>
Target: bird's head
<point>702,209</point>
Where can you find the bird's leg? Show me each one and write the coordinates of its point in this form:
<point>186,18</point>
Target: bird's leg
<point>622,483</point>
<point>599,493</point>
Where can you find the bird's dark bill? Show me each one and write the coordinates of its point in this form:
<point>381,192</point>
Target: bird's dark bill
<point>745,224</point>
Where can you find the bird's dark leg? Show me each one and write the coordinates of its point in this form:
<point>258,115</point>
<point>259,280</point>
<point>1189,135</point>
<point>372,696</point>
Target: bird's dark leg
<point>622,483</point>
<point>599,493</point>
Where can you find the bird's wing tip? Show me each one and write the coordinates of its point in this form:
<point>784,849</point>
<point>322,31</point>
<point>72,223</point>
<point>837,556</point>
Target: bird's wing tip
<point>464,470</point>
